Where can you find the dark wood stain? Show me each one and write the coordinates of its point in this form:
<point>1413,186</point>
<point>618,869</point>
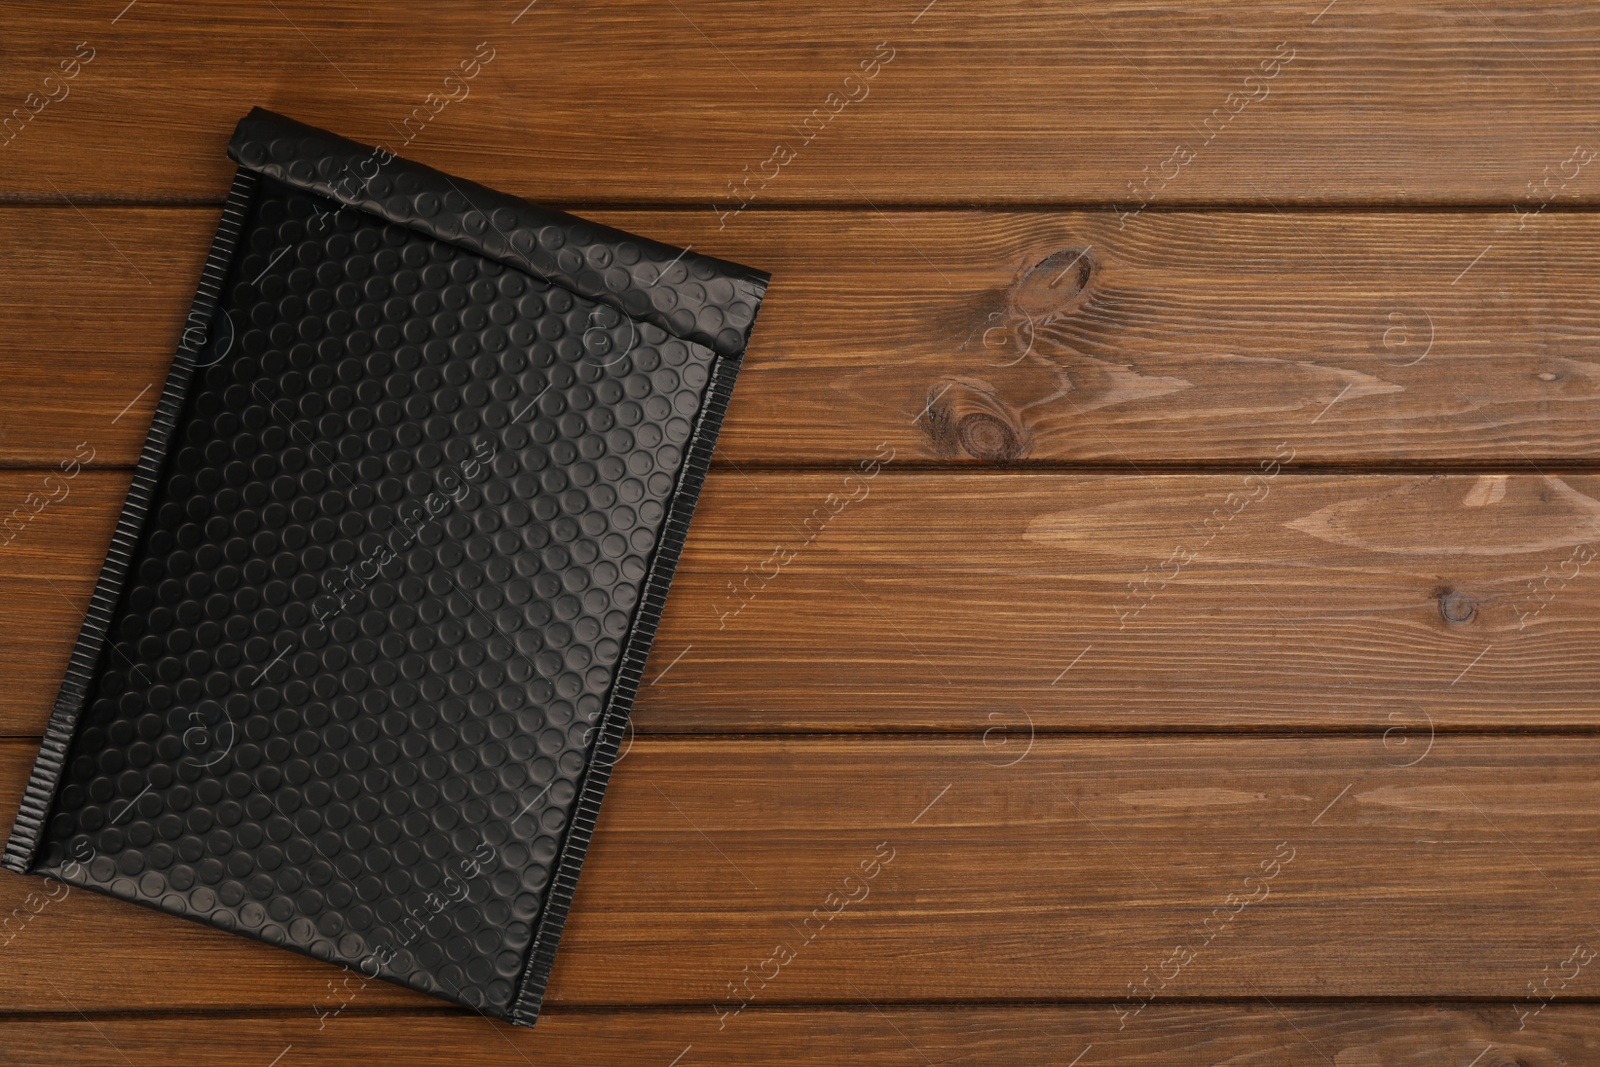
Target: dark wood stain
<point>1189,580</point>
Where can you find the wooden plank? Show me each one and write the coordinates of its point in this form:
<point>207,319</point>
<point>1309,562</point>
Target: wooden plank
<point>1131,871</point>
<point>1190,602</point>
<point>988,100</point>
<point>94,303</point>
<point>918,600</point>
<point>1195,338</point>
<point>47,575</point>
<point>1254,1035</point>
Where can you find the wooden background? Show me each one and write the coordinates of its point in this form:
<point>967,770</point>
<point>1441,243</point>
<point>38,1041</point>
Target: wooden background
<point>1214,649</point>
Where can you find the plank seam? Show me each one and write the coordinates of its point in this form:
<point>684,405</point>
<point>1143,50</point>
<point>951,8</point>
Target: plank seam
<point>800,1007</point>
<point>692,205</point>
<point>1530,468</point>
<point>976,733</point>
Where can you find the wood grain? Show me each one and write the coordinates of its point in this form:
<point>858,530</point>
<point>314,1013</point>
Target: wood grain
<point>1119,870</point>
<point>1253,1035</point>
<point>1184,601</point>
<point>998,101</point>
<point>1051,312</point>
<point>1185,339</point>
<point>932,601</point>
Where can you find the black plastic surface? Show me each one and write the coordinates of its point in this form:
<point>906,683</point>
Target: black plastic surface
<point>377,608</point>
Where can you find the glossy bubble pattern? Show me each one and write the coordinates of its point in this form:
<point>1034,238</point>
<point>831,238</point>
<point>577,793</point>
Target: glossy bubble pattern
<point>379,603</point>
<point>707,300</point>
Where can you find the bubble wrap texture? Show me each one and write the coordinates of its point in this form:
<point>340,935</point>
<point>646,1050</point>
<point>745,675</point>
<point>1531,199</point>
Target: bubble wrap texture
<point>379,601</point>
<point>709,301</point>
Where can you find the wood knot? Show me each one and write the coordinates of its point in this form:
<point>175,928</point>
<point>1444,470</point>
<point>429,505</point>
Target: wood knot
<point>1053,286</point>
<point>986,437</point>
<point>1040,294</point>
<point>964,416</point>
<point>1456,607</point>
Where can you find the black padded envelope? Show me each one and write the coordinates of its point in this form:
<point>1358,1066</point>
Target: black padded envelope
<point>355,672</point>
